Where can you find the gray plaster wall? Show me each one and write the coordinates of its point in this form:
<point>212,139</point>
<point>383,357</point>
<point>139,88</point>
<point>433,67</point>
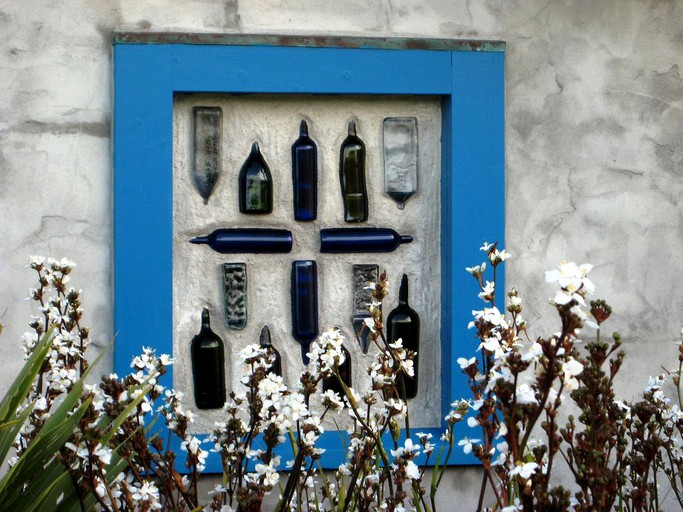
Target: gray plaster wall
<point>594,153</point>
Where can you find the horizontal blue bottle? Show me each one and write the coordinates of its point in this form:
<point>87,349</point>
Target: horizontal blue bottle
<point>305,176</point>
<point>351,240</point>
<point>247,240</point>
<point>304,304</point>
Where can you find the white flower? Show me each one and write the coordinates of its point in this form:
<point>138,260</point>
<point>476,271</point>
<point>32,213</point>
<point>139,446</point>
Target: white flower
<point>332,400</point>
<point>525,470</point>
<point>571,368</point>
<point>467,444</point>
<point>412,471</point>
<point>526,395</point>
<point>535,351</point>
<point>573,280</point>
<point>487,291</point>
<point>466,363</point>
<point>477,270</point>
<point>513,508</point>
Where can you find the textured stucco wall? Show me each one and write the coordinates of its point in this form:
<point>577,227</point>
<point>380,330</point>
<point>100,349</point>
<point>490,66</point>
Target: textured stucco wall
<point>594,151</point>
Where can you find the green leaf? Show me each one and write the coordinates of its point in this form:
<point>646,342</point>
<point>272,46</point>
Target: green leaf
<point>42,492</point>
<point>21,386</point>
<point>9,431</point>
<point>55,432</point>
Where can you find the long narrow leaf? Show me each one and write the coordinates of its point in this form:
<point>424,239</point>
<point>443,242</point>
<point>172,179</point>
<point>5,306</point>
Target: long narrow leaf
<point>42,492</point>
<point>56,431</point>
<point>17,392</point>
<point>9,431</point>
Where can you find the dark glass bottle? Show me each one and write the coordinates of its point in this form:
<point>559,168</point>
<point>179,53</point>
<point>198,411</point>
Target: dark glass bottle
<point>247,240</point>
<point>348,240</point>
<point>404,322</point>
<point>255,184</point>
<point>304,304</point>
<point>208,366</point>
<point>265,342</point>
<point>305,176</point>
<point>352,177</point>
<point>332,383</point>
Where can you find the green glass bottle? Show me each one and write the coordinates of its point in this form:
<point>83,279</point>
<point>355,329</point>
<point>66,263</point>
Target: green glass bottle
<point>255,184</point>
<point>352,177</point>
<point>403,322</point>
<point>208,366</point>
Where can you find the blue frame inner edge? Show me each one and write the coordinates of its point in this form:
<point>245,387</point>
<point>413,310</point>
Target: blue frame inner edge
<point>471,85</point>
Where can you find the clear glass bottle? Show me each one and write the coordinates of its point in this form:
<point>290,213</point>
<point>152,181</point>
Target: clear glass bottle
<point>404,323</point>
<point>208,366</point>
<point>208,122</point>
<point>400,158</point>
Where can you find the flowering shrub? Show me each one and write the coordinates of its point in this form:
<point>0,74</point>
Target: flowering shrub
<point>615,451</point>
<point>93,447</point>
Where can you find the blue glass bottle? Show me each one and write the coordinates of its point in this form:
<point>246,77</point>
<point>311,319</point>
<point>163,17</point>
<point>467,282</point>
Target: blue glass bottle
<point>350,240</point>
<point>304,304</point>
<point>305,176</point>
<point>247,240</point>
<point>255,184</point>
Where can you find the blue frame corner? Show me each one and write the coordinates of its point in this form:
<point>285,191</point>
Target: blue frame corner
<point>146,76</point>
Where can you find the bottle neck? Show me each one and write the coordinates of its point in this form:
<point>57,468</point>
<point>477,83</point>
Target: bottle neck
<point>206,320</point>
<point>403,291</point>
<point>199,240</point>
<point>264,338</point>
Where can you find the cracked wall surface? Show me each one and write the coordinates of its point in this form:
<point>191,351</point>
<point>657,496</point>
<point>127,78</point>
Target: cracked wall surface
<point>594,147</point>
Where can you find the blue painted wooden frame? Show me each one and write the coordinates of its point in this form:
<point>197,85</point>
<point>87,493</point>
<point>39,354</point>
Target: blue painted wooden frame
<point>471,85</point>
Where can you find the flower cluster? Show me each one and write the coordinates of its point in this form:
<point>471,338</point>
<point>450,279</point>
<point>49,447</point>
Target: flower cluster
<point>615,450</point>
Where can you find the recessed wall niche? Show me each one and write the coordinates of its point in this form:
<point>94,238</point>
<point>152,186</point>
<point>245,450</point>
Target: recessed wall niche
<point>273,121</point>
